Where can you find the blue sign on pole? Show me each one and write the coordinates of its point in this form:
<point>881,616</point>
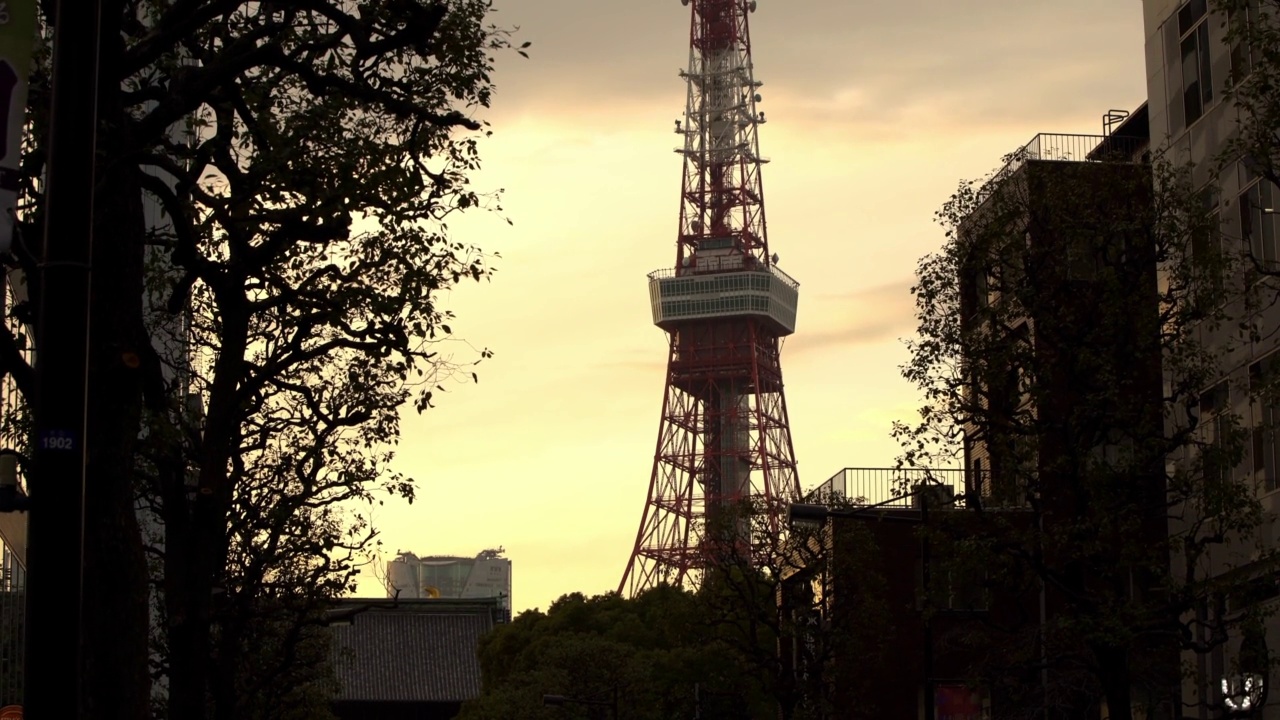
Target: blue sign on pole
<point>63,440</point>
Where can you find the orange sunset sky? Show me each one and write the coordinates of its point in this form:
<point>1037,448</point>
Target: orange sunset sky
<point>875,111</point>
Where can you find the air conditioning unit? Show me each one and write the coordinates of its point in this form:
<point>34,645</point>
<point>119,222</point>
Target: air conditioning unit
<point>937,496</point>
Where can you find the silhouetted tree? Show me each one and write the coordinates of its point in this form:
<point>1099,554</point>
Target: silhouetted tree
<point>654,650</point>
<point>1253,33</point>
<point>270,245</point>
<point>752,641</point>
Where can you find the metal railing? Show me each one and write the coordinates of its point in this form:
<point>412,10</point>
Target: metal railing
<point>1061,147</point>
<point>890,486</point>
<point>895,488</point>
<point>12,627</point>
<point>728,263</point>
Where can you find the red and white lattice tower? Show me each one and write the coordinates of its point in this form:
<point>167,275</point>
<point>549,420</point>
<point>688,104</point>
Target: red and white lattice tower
<point>724,441</point>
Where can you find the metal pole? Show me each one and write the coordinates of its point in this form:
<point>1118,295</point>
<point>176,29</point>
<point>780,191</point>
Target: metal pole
<point>56,531</point>
<point>1044,620</point>
<point>930,698</point>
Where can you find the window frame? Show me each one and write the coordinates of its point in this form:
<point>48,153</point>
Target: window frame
<point>1265,450</point>
<point>1193,33</point>
<point>1247,213</point>
<point>1214,405</point>
<point>1241,52</point>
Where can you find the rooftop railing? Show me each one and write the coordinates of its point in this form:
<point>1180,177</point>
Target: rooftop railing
<point>727,263</point>
<point>894,488</point>
<point>1060,147</point>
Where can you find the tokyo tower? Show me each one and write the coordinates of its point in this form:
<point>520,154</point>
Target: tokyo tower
<point>724,469</point>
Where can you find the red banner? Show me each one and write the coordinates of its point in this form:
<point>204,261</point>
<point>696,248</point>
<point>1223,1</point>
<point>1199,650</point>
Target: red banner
<point>956,702</point>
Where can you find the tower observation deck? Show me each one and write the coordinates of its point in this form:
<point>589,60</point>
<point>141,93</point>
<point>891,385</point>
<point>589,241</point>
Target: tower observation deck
<point>724,468</point>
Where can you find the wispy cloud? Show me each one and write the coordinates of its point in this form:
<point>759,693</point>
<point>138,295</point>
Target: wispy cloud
<point>859,317</point>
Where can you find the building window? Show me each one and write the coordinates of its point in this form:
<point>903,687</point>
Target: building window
<point>975,289</point>
<point>1214,403</point>
<point>1239,24</point>
<point>1207,257</point>
<point>1190,14</point>
<point>977,480</point>
<point>1261,589</point>
<point>1258,226</point>
<point>1266,426</point>
<point>1193,40</point>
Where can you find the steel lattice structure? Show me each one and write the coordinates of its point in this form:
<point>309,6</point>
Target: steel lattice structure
<point>724,443</point>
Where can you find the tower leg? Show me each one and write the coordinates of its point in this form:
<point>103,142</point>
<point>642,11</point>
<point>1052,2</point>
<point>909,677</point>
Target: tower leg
<point>724,466</point>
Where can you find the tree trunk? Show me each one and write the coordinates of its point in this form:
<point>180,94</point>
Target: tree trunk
<point>198,541</point>
<point>225,693</point>
<point>188,596</point>
<point>1116,684</point>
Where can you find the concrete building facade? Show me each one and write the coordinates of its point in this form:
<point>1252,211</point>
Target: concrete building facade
<point>1191,67</point>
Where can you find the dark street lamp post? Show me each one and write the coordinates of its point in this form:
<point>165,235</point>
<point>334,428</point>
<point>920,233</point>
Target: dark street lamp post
<point>56,484</point>
<point>562,700</point>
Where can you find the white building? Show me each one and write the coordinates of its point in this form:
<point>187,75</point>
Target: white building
<point>438,576</point>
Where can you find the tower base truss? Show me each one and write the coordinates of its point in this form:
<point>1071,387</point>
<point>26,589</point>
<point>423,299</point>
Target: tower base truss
<point>724,469</point>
